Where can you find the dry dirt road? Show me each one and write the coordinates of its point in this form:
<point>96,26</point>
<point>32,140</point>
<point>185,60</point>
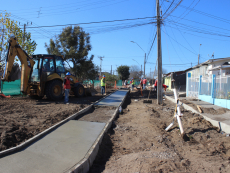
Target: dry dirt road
<point>138,143</point>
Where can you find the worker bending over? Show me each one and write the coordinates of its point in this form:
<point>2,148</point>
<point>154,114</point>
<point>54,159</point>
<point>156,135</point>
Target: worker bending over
<point>163,85</point>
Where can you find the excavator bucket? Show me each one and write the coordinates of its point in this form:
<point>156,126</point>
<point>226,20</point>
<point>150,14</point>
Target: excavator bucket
<point>89,90</point>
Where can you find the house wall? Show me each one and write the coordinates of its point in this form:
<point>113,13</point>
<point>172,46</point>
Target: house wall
<point>217,72</point>
<point>167,81</point>
<point>180,82</point>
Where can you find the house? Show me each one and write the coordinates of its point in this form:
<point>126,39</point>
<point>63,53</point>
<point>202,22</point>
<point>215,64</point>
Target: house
<point>210,82</point>
<point>176,80</point>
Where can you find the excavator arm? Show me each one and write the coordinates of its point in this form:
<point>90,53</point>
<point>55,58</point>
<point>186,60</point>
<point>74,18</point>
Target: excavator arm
<point>26,63</point>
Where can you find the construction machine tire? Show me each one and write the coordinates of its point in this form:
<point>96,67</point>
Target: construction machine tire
<point>54,90</point>
<point>79,91</point>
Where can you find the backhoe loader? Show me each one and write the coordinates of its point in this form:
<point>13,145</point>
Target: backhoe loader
<point>40,74</point>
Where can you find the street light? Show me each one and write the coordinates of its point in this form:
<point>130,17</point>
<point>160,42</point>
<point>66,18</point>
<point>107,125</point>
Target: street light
<point>136,61</point>
<point>199,54</point>
<point>144,57</point>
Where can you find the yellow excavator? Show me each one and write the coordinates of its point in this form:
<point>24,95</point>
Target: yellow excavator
<point>40,74</point>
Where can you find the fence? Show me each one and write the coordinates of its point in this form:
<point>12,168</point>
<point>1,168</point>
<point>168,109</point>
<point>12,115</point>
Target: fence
<point>222,88</point>
<point>11,88</point>
<point>192,86</point>
<point>205,85</point>
<point>119,83</point>
<point>215,90</point>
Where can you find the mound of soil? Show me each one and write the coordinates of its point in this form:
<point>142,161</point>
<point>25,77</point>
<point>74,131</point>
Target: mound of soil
<point>138,142</point>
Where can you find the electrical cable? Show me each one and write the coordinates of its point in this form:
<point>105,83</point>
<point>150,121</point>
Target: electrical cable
<point>95,22</point>
<point>181,44</point>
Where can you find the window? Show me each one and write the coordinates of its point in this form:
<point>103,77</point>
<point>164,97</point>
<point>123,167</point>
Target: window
<point>35,75</point>
<point>48,64</point>
<point>59,65</point>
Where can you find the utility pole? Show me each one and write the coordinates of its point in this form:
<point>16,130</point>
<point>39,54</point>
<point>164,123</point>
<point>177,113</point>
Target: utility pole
<point>159,55</point>
<point>24,32</point>
<point>150,73</point>
<point>141,70</point>
<point>144,65</point>
<point>100,57</point>
<point>111,70</point>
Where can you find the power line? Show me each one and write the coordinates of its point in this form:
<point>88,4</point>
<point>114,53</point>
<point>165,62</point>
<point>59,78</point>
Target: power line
<point>207,14</point>
<point>151,47</point>
<point>95,22</point>
<point>180,44</point>
<point>77,9</point>
<point>169,64</point>
<point>172,10</point>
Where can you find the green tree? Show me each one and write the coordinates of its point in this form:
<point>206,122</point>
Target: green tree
<point>123,72</point>
<point>9,27</point>
<point>74,44</point>
<point>110,79</point>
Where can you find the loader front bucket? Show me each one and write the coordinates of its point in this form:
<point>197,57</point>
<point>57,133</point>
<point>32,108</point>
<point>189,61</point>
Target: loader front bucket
<point>90,91</point>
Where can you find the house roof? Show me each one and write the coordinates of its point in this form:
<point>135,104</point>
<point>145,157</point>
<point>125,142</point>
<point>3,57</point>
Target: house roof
<point>210,61</point>
<point>220,67</point>
<point>178,72</point>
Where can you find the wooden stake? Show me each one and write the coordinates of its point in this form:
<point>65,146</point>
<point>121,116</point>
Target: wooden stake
<point>199,108</point>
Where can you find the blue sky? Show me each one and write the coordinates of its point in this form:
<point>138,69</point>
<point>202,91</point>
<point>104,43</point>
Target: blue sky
<point>191,23</point>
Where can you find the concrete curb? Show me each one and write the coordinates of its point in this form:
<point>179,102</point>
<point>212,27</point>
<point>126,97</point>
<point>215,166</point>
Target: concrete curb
<point>224,127</point>
<point>45,132</point>
<point>84,165</point>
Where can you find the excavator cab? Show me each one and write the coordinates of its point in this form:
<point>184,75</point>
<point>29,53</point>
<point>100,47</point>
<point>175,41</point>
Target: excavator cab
<point>47,76</point>
<point>47,64</point>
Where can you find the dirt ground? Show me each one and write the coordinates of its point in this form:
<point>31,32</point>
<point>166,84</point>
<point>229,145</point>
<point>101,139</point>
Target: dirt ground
<point>205,110</point>
<point>100,114</point>
<point>23,117</point>
<point>138,142</point>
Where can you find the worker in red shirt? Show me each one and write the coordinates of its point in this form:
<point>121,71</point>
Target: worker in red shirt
<point>155,85</point>
<point>67,87</point>
<point>144,83</point>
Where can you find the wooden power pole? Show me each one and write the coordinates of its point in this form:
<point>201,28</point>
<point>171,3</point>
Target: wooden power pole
<point>159,55</point>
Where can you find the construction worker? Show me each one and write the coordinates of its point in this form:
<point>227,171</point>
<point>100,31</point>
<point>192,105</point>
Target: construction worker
<point>133,82</point>
<point>66,86</point>
<point>103,85</point>
<point>155,85</point>
<point>141,82</point>
<point>144,83</point>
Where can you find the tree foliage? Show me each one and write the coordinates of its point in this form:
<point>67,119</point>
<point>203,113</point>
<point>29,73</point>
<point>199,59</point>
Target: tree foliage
<point>111,78</point>
<point>123,72</point>
<point>9,27</point>
<point>74,44</point>
<point>135,72</point>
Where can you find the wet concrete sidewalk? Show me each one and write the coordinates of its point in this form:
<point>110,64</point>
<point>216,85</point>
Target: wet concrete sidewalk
<point>70,147</point>
<point>219,120</point>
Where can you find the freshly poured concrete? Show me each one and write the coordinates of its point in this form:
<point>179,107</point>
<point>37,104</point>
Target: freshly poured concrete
<point>114,99</point>
<point>56,152</point>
